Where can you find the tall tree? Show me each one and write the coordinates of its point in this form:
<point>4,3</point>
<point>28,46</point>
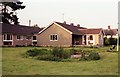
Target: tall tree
<point>8,11</point>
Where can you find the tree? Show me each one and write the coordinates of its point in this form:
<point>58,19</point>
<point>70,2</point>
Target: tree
<point>8,11</point>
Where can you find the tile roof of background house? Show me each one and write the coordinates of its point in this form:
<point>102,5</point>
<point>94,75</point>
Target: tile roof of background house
<point>110,31</point>
<point>72,28</point>
<point>90,31</point>
<point>19,29</point>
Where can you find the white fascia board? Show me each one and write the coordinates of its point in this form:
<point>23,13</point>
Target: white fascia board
<point>45,28</point>
<point>63,28</point>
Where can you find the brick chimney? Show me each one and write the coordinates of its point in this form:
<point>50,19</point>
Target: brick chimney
<point>78,25</point>
<point>64,22</point>
<point>29,22</point>
<point>71,24</point>
<point>109,27</point>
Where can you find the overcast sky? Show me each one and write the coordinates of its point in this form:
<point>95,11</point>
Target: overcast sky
<point>87,13</point>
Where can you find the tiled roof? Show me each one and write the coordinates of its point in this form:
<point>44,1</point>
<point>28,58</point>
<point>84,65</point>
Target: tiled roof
<point>19,29</point>
<point>72,28</point>
<point>110,31</point>
<point>90,31</point>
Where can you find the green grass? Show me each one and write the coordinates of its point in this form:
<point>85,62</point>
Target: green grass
<point>15,64</point>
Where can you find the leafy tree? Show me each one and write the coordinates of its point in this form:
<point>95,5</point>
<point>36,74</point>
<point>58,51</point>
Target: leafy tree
<point>8,10</point>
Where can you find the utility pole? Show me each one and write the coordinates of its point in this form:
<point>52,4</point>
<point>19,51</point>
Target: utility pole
<point>118,41</point>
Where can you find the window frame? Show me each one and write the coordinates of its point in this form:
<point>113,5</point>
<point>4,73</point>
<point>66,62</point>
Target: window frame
<point>33,38</point>
<point>21,37</point>
<point>54,37</point>
<point>89,38</point>
<point>27,37</point>
<point>6,37</point>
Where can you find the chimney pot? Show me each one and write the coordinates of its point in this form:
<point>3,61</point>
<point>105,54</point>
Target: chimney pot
<point>72,24</point>
<point>78,25</point>
<point>64,22</point>
<point>108,27</point>
<point>29,22</point>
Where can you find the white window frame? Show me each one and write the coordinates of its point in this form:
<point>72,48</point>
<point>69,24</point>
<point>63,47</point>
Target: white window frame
<point>28,36</point>
<point>52,35</point>
<point>5,39</point>
<point>34,40</point>
<point>21,37</point>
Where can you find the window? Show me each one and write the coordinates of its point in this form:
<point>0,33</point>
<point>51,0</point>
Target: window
<point>34,38</point>
<point>90,37</point>
<point>7,37</point>
<point>54,37</point>
<point>18,37</point>
<point>28,37</point>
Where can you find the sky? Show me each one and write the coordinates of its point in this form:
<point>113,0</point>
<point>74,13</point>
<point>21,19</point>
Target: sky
<point>87,13</point>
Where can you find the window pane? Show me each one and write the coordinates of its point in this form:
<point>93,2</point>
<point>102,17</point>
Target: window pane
<point>55,37</point>
<point>34,38</point>
<point>51,37</point>
<point>8,36</point>
<point>91,37</point>
<point>18,36</point>
<point>5,37</point>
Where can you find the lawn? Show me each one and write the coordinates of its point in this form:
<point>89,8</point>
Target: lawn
<point>15,64</point>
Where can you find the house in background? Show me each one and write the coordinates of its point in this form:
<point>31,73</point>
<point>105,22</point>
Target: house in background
<point>110,33</point>
<point>62,34</point>
<point>18,35</point>
<point>93,36</point>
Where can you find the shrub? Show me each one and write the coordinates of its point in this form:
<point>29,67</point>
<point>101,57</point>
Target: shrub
<point>110,41</point>
<point>113,41</point>
<point>106,41</point>
<point>60,52</point>
<point>36,52</point>
<point>93,56</point>
<point>72,51</point>
<point>83,58</point>
<point>43,52</point>
<point>48,58</point>
<point>33,52</point>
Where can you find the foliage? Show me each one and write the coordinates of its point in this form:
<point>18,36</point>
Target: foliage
<point>106,41</point>
<point>60,52</point>
<point>91,56</point>
<point>48,58</point>
<point>94,56</point>
<point>110,41</point>
<point>33,52</point>
<point>36,52</point>
<point>8,11</point>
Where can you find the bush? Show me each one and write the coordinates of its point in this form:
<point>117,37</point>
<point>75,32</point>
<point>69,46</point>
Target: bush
<point>60,52</point>
<point>93,56</point>
<point>33,52</point>
<point>113,41</point>
<point>36,52</point>
<point>48,58</point>
<point>110,41</point>
<point>106,41</point>
<point>72,51</point>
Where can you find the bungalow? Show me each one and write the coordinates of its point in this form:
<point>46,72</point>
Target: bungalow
<point>62,34</point>
<point>13,35</point>
<point>110,33</point>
